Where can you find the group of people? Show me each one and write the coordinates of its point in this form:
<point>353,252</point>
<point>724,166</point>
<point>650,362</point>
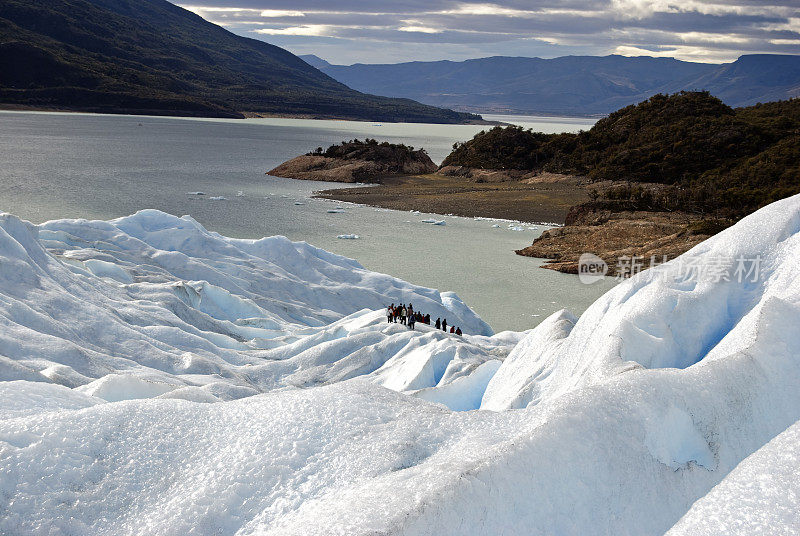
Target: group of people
<point>406,315</point>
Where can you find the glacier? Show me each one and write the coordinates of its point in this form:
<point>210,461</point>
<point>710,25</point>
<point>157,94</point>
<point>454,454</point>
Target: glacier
<point>160,378</point>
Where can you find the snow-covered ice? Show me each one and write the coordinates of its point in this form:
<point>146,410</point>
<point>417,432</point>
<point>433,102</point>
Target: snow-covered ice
<point>161,378</point>
<point>760,496</point>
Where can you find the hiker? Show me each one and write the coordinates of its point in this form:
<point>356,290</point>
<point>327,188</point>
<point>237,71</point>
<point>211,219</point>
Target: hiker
<point>444,325</point>
<point>427,319</point>
<point>458,331</point>
<point>411,321</point>
<point>403,314</point>
<point>410,310</point>
<point>438,323</point>
<point>452,329</point>
<point>390,314</point>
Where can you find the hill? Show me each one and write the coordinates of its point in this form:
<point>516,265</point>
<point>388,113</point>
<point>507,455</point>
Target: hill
<point>150,56</point>
<point>357,161</point>
<point>570,85</point>
<point>704,155</point>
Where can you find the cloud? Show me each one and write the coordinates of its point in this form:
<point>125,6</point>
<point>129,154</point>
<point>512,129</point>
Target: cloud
<point>280,13</point>
<point>419,29</point>
<point>315,30</point>
<point>348,31</point>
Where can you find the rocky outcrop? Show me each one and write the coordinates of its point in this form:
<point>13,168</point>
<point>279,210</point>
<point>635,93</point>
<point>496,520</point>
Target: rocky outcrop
<point>652,236</point>
<point>357,161</point>
<point>484,175</point>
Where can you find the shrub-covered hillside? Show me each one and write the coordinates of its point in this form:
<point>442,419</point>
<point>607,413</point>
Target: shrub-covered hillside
<point>714,158</point>
<point>394,157</point>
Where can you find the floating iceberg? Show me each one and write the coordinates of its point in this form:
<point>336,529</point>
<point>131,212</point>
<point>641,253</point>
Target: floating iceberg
<point>348,237</point>
<point>434,222</point>
<point>218,198</point>
<point>255,387</point>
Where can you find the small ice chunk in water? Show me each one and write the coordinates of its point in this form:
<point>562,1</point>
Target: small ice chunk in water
<point>195,193</point>
<point>434,222</point>
<point>348,236</point>
<point>218,198</point>
<point>298,203</point>
<point>240,194</point>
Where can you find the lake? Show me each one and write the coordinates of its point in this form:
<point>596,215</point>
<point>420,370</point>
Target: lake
<point>60,165</point>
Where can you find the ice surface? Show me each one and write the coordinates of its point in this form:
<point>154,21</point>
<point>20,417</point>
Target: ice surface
<point>760,496</point>
<point>254,387</point>
<point>163,300</point>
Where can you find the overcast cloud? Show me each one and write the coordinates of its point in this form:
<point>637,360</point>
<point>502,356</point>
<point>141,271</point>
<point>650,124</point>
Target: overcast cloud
<point>351,31</point>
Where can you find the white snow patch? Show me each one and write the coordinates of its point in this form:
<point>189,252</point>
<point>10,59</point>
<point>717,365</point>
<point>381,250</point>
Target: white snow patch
<point>673,439</point>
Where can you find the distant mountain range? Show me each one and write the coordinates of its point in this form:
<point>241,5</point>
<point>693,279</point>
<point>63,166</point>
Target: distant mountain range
<point>572,85</point>
<point>150,56</point>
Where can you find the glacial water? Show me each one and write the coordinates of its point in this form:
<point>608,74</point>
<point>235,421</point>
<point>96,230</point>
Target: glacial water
<point>55,165</point>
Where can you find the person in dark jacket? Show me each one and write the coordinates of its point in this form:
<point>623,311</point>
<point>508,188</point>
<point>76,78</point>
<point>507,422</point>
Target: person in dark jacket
<point>390,313</point>
<point>444,325</point>
<point>438,323</point>
<point>458,331</point>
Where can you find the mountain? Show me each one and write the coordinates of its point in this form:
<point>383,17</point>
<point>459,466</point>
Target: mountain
<point>573,85</point>
<point>749,80</point>
<point>315,61</point>
<point>150,56</point>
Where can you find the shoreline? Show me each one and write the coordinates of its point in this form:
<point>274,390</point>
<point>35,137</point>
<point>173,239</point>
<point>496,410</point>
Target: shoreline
<point>573,226</point>
<point>238,116</point>
<point>512,201</point>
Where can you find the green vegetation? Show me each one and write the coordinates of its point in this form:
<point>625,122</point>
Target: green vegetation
<point>394,156</point>
<point>704,156</point>
<point>151,56</point>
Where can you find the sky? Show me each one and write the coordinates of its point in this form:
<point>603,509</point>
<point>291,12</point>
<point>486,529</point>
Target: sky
<point>360,31</point>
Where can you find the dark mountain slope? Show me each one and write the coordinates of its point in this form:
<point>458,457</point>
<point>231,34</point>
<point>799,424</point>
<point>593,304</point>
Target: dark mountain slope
<point>150,56</point>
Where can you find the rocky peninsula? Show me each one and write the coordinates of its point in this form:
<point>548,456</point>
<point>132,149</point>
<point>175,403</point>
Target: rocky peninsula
<point>357,161</point>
